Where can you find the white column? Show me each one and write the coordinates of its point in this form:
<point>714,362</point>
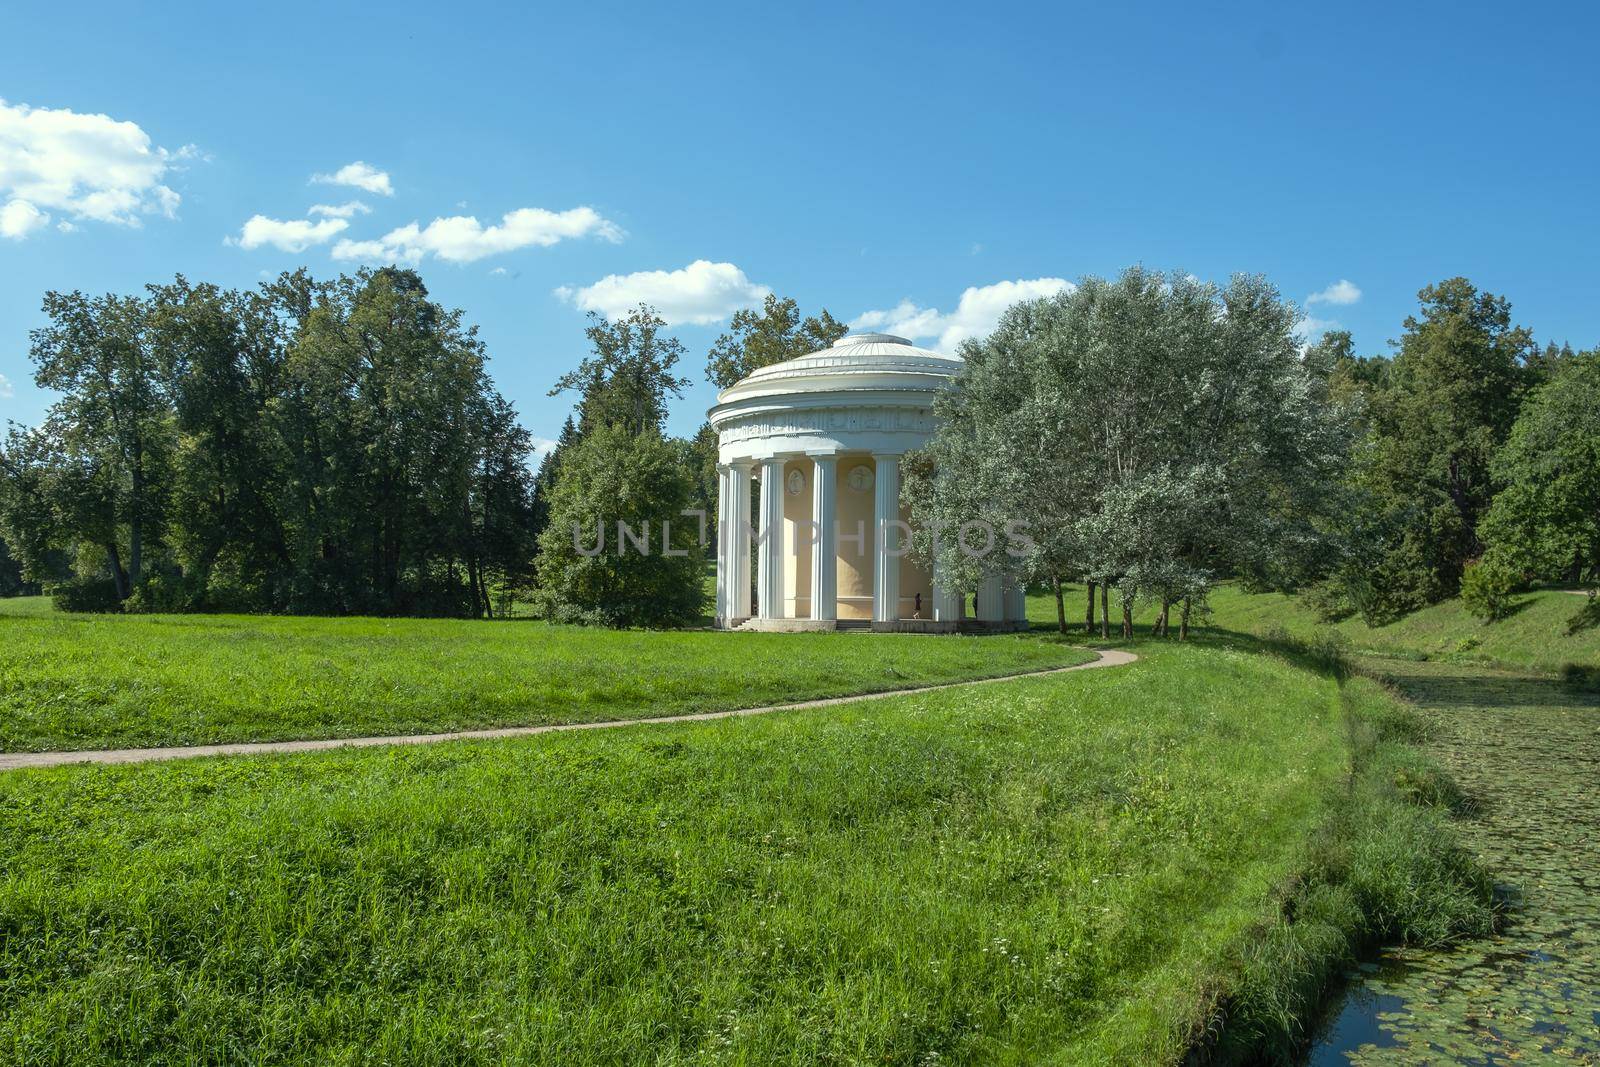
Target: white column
<point>886,510</point>
<point>825,553</point>
<point>992,599</point>
<point>946,598</point>
<point>769,561</point>
<point>1016,600</point>
<point>724,543</point>
<point>739,501</point>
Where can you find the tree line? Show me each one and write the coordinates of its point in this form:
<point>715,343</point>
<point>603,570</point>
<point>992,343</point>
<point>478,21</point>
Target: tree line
<point>1158,434</point>
<point>307,446</point>
<point>339,446</point>
<point>336,447</point>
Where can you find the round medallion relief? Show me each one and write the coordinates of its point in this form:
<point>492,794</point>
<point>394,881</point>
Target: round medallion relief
<point>860,479</point>
<point>797,483</point>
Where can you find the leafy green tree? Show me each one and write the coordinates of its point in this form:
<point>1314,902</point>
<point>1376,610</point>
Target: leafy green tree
<point>309,446</point>
<point>30,462</point>
<point>585,575</point>
<point>700,458</point>
<point>113,420</point>
<point>759,339</point>
<point>223,358</point>
<point>627,380</point>
<point>1452,395</point>
<point>12,581</point>
<point>1546,521</point>
<point>1152,433</point>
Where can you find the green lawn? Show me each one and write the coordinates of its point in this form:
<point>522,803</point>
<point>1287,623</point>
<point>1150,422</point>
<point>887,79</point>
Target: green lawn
<point>1044,870</point>
<point>1534,637</point>
<point>111,681</point>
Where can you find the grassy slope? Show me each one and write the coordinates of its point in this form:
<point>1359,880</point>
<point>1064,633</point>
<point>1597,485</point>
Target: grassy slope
<point>109,681</point>
<point>1533,638</point>
<point>1047,869</point>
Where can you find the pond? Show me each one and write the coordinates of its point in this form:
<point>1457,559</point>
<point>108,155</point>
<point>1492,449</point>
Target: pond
<point>1527,751</point>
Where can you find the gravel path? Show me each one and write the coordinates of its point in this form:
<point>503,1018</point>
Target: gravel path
<point>10,761</point>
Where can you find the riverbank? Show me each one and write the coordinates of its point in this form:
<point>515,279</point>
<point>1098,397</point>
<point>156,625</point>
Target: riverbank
<point>1526,752</point>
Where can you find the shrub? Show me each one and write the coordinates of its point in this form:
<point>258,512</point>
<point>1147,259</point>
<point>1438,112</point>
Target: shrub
<point>1324,650</point>
<point>1486,588</point>
<point>1329,601</point>
<point>162,594</point>
<point>1586,617</point>
<point>611,477</point>
<point>86,594</point>
<point>1581,676</point>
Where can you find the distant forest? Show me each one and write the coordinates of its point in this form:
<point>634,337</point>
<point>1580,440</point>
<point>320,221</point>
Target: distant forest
<point>317,447</point>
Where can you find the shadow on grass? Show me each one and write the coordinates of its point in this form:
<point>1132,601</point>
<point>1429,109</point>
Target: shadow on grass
<point>1483,689</point>
<point>1586,618</point>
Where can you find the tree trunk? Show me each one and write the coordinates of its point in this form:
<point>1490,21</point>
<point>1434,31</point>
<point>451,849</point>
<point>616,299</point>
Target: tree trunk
<point>472,584</point>
<point>1161,621</point>
<point>1183,620</point>
<point>118,575</point>
<point>1127,617</point>
<point>136,521</point>
<point>1061,605</point>
<point>1105,609</point>
<point>1088,611</point>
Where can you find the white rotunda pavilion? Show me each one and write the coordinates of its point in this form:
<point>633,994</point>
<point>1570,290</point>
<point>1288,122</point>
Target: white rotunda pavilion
<point>824,434</point>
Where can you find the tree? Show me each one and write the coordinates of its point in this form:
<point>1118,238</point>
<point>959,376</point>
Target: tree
<point>589,571</point>
<point>12,581</point>
<point>772,335</point>
<point>699,457</point>
<point>1151,432</point>
<point>1453,393</point>
<point>626,382</point>
<point>309,446</point>
<point>1546,521</point>
<point>223,358</point>
<point>113,419</point>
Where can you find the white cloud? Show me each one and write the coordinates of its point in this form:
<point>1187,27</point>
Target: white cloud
<point>1341,292</point>
<point>463,239</point>
<point>699,294</point>
<point>6,392</point>
<point>1310,328</point>
<point>346,210</point>
<point>358,175</point>
<point>84,165</point>
<point>976,315</point>
<point>542,447</point>
<point>287,235</point>
<point>20,218</point>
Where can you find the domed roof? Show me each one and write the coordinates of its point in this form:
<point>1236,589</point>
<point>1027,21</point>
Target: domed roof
<point>875,362</point>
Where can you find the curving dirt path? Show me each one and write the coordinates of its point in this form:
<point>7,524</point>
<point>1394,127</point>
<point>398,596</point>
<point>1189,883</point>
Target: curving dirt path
<point>10,761</point>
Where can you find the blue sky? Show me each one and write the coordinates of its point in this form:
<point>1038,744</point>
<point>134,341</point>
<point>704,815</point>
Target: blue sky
<point>867,159</point>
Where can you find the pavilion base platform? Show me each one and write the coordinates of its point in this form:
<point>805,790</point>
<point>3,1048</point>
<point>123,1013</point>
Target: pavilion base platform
<point>913,626</point>
<point>992,626</point>
<point>787,626</point>
<point>898,626</point>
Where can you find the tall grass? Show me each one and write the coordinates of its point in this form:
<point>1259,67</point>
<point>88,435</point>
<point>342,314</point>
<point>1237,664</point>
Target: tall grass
<point>1386,868</point>
<point>114,681</point>
<point>1038,870</point>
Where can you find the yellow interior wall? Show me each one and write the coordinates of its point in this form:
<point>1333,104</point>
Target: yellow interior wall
<point>855,561</point>
<point>797,548</point>
<point>914,579</point>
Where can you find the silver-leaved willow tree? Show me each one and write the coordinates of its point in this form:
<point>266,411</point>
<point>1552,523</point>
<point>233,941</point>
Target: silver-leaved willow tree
<point>1156,433</point>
